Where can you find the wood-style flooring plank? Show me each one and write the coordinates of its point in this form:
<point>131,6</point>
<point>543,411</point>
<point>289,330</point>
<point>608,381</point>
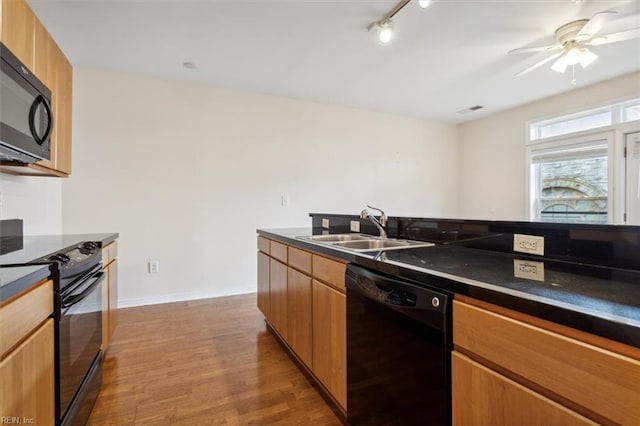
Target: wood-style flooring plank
<point>203,362</point>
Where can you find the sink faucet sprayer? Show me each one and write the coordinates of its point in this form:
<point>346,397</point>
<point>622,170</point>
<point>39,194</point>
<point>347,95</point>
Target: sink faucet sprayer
<point>380,224</point>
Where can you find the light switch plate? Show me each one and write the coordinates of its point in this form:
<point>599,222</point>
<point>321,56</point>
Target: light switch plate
<point>530,244</point>
<point>528,270</point>
<point>325,223</point>
<point>355,226</point>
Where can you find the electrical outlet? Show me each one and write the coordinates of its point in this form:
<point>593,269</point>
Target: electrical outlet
<point>528,270</point>
<point>355,226</point>
<point>284,200</point>
<point>529,244</point>
<point>154,266</point>
<point>325,223</point>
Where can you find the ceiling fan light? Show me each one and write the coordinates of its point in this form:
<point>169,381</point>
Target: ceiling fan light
<point>573,56</point>
<point>424,3</point>
<point>587,57</point>
<point>560,65</point>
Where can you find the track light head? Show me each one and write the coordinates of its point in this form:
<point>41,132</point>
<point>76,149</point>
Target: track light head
<point>385,30</point>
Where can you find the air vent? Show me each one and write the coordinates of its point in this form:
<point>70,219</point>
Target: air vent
<point>469,110</point>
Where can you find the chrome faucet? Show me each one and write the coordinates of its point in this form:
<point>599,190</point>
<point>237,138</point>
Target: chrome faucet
<point>380,224</point>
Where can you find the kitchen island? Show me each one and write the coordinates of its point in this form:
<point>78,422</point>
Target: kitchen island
<point>583,309</point>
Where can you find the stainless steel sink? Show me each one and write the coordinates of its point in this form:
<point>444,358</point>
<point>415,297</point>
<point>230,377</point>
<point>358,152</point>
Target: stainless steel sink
<point>380,244</point>
<point>332,238</point>
<point>363,242</point>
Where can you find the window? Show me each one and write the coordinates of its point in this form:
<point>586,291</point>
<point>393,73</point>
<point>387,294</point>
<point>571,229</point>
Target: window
<point>570,180</point>
<point>621,112</point>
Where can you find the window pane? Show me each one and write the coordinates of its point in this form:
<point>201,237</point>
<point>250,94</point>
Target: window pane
<point>631,113</point>
<point>574,190</point>
<point>576,125</point>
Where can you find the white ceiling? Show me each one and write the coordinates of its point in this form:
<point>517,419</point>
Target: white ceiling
<point>448,57</point>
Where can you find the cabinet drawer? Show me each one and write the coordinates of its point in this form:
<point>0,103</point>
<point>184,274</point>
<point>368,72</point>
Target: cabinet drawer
<point>600,381</point>
<point>21,316</point>
<point>300,259</point>
<point>329,271</point>
<point>279,251</point>
<point>483,397</point>
<point>263,244</point>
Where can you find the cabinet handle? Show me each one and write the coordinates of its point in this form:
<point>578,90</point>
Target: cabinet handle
<point>40,100</point>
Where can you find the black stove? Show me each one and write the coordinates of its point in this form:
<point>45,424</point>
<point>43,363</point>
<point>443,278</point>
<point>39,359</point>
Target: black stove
<point>74,261</point>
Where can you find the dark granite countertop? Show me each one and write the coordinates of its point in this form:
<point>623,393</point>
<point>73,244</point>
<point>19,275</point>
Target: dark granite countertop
<point>16,279</point>
<point>21,268</point>
<point>598,300</point>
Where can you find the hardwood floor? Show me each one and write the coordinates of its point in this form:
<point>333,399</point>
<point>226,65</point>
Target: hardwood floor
<point>203,362</point>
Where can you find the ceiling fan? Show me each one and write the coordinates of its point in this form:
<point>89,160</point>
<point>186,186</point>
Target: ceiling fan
<point>572,41</point>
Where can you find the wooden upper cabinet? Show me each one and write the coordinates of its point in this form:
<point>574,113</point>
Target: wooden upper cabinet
<point>45,68</point>
<point>63,94</point>
<point>18,30</point>
<point>29,40</point>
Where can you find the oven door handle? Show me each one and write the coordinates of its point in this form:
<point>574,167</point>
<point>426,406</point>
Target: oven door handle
<point>72,300</point>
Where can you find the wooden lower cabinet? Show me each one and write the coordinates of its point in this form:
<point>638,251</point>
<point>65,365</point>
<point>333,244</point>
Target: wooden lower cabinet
<point>27,380</point>
<point>109,294</point>
<point>309,314</point>
<point>299,316</point>
<point>278,297</point>
<point>330,340</point>
<point>526,360</point>
<point>483,397</point>
<point>263,284</point>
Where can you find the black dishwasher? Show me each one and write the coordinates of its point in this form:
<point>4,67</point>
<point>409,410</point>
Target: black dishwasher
<point>398,351</point>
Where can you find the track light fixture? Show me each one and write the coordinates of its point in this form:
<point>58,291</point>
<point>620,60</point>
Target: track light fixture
<point>384,27</point>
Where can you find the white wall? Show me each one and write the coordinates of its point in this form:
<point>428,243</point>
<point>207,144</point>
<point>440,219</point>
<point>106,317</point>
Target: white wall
<point>35,200</point>
<point>492,149</point>
<point>186,173</point>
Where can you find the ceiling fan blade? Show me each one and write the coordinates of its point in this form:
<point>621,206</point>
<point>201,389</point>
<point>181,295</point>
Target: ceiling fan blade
<point>539,64</point>
<point>615,37</point>
<point>594,25</point>
<point>548,48</point>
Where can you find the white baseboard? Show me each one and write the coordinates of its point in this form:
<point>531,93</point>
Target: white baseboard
<point>174,297</point>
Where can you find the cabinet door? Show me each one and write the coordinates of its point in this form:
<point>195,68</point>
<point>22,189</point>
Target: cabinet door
<point>105,311</point>
<point>278,297</point>
<point>26,379</point>
<point>299,314</point>
<point>330,340</point>
<point>112,279</point>
<point>63,94</point>
<point>46,69</point>
<point>109,303</point>
<point>263,284</point>
<point>483,397</point>
<point>18,30</point>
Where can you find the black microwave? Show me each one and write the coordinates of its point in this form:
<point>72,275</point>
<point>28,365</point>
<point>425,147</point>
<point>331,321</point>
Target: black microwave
<point>26,119</point>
